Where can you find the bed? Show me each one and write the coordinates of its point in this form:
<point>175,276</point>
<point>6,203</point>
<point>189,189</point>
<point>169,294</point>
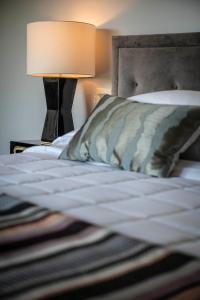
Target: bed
<point>86,230</point>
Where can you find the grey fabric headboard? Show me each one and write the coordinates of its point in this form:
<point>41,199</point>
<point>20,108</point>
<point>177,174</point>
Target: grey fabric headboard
<point>147,63</point>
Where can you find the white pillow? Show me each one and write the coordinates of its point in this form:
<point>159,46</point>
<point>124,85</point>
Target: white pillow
<point>176,97</point>
<point>187,169</point>
<point>64,139</point>
<point>56,147</point>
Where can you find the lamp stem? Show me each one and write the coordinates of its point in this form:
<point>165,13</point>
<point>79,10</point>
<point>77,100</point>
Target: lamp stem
<point>58,99</point>
<point>59,94</point>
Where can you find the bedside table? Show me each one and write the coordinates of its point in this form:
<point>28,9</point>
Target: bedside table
<point>20,146</point>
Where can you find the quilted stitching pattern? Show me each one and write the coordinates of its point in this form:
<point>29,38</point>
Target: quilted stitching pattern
<point>159,210</point>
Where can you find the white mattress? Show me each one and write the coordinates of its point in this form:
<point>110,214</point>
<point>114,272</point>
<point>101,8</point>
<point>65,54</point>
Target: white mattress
<point>163,211</point>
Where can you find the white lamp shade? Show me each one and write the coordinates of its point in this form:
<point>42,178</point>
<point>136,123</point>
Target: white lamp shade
<point>61,49</point>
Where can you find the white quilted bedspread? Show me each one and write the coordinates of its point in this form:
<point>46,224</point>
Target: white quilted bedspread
<point>163,211</point>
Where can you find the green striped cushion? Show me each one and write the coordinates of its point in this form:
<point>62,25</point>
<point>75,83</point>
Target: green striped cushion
<point>140,137</point>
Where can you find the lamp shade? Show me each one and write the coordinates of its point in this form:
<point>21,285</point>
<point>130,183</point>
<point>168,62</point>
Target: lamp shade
<point>61,49</point>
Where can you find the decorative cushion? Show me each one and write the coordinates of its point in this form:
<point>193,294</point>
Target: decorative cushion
<point>175,97</point>
<point>134,136</point>
<point>193,152</point>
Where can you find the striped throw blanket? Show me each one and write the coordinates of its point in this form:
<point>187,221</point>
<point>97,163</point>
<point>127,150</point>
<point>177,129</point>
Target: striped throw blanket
<point>50,255</point>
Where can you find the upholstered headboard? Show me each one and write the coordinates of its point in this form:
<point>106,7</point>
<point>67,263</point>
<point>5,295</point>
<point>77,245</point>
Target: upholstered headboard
<point>147,63</point>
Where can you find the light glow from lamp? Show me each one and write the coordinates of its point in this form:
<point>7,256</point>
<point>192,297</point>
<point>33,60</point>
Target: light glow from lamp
<point>61,49</point>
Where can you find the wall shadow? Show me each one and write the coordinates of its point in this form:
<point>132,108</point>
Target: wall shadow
<point>103,65</point>
<point>103,55</point>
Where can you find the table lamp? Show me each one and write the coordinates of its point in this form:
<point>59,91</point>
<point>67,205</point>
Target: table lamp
<point>60,52</point>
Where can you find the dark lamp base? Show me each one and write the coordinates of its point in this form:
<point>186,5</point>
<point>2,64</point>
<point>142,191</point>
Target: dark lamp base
<point>59,94</point>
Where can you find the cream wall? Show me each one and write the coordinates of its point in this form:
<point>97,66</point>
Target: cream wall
<point>22,102</point>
